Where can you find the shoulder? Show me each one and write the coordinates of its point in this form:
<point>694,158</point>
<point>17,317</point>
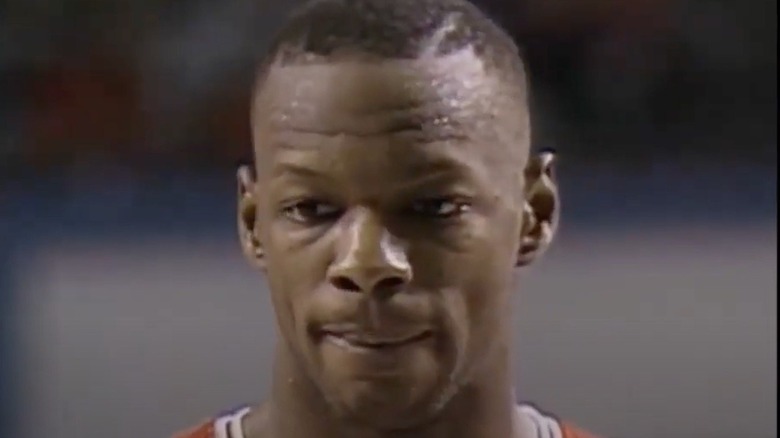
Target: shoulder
<point>546,425</point>
<point>227,425</point>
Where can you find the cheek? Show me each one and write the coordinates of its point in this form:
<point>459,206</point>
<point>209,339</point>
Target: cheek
<point>294,272</point>
<point>476,258</point>
<point>479,275</point>
<point>473,306</point>
<point>282,301</point>
<point>486,293</point>
<point>474,281</point>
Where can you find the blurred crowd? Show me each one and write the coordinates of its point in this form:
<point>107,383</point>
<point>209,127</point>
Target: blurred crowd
<point>149,84</point>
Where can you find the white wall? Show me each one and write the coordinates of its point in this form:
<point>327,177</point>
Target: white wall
<point>650,333</point>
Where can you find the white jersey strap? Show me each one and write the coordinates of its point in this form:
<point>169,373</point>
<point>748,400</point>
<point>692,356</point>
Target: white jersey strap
<point>544,425</point>
<point>229,426</point>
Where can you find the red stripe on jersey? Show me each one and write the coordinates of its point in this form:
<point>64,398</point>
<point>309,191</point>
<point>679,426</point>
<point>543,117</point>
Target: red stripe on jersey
<point>206,430</point>
<point>570,431</point>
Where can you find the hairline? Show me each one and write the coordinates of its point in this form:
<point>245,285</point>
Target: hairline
<point>514,79</point>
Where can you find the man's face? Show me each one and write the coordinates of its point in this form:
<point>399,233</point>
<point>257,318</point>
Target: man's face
<point>388,206</point>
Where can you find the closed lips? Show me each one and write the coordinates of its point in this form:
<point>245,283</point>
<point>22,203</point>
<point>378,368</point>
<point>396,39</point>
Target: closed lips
<point>365,340</point>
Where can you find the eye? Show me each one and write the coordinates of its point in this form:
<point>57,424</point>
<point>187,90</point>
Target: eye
<point>311,211</point>
<point>440,208</point>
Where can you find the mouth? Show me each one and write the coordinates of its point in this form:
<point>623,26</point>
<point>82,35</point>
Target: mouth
<point>373,341</point>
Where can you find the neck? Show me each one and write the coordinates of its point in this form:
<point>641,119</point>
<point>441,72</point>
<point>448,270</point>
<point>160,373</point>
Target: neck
<point>483,407</point>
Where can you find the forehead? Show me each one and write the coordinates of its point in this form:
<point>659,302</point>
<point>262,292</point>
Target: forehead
<point>387,119</point>
<point>432,95</point>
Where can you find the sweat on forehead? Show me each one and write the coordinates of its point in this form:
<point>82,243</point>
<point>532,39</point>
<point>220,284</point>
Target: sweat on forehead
<point>448,97</point>
<point>456,78</point>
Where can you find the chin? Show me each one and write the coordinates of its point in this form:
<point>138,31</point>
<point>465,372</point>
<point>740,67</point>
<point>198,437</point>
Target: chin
<point>393,398</point>
<point>387,405</point>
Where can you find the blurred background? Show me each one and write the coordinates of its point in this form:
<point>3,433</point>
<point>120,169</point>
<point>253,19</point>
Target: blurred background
<point>122,289</point>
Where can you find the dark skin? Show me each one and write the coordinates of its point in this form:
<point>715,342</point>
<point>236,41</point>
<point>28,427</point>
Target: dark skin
<point>390,205</point>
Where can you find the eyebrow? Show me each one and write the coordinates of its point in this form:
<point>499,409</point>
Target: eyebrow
<point>431,170</point>
<point>437,167</point>
<point>438,171</point>
<point>442,171</point>
<point>284,168</point>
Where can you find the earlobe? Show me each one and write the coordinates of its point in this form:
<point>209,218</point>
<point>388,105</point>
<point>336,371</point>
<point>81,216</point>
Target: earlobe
<point>541,208</point>
<point>247,217</point>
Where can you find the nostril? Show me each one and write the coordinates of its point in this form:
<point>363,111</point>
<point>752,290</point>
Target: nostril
<point>390,284</point>
<point>388,287</point>
<point>344,283</point>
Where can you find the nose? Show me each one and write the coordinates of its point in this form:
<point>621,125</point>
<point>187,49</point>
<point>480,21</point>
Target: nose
<point>369,259</point>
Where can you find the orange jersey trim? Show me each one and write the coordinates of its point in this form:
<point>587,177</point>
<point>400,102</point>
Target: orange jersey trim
<point>570,431</point>
<point>205,430</point>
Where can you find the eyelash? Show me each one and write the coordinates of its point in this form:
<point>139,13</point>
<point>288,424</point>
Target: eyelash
<point>453,208</point>
<point>293,212</point>
<point>457,208</point>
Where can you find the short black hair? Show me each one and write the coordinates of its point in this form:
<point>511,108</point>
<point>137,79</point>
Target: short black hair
<point>393,29</point>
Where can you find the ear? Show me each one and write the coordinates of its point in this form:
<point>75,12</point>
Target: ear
<point>541,209</point>
<point>247,217</point>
